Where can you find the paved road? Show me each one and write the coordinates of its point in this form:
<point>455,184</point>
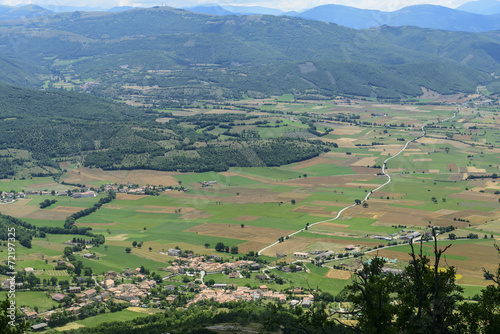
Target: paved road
<point>384,166</point>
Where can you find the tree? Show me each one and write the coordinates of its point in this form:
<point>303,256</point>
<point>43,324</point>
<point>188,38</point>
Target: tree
<point>128,250</point>
<point>207,245</point>
<point>134,244</point>
<point>242,225</point>
<point>106,247</point>
<point>365,205</point>
<point>427,296</point>
<point>220,247</point>
<point>234,250</point>
<point>8,324</point>
<point>292,201</point>
<point>370,295</point>
<point>357,201</point>
<point>150,249</point>
<point>484,316</point>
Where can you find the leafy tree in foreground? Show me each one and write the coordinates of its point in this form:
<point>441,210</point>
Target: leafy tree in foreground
<point>6,321</point>
<point>424,297</point>
<point>370,292</point>
<point>484,316</point>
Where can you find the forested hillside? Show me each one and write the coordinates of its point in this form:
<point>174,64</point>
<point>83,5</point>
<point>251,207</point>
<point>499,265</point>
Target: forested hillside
<point>39,128</point>
<point>233,56</point>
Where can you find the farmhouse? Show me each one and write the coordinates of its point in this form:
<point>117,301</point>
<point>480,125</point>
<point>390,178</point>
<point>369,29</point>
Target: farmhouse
<point>39,326</point>
<point>350,247</point>
<point>174,252</point>
<point>89,293</point>
<point>410,236</point>
<point>85,194</point>
<point>171,298</point>
<point>89,256</point>
<point>30,315</point>
<point>58,297</point>
<point>75,289</point>
<point>301,255</point>
<point>109,283</point>
<point>306,302</point>
<point>326,254</point>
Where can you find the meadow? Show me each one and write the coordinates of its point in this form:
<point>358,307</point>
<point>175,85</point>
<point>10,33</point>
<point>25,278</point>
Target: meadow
<point>255,206</point>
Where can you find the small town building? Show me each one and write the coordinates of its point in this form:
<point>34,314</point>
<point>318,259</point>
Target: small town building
<point>58,297</point>
<point>301,255</point>
<point>85,194</point>
<point>39,326</point>
<point>174,252</point>
<point>89,293</point>
<point>306,302</point>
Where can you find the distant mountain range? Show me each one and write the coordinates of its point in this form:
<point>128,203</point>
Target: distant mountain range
<point>227,56</point>
<point>475,16</point>
<point>424,16</point>
<point>485,7</point>
<point>32,11</point>
<point>28,11</point>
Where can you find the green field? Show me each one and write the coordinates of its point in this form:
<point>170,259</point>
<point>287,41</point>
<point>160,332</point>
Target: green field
<point>286,198</point>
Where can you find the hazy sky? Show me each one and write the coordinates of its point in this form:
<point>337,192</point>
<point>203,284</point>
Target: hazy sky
<point>281,4</point>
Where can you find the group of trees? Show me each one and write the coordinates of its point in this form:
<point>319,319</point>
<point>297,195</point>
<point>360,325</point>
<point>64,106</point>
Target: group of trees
<point>220,247</point>
<point>423,299</point>
<point>70,221</point>
<point>47,203</point>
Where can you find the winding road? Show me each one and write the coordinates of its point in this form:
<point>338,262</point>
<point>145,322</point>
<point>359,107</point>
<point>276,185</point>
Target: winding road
<point>368,195</point>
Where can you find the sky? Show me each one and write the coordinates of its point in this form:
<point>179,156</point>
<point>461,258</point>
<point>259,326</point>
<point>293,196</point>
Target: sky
<point>286,5</point>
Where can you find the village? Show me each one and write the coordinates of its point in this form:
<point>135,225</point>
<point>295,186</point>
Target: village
<point>137,288</point>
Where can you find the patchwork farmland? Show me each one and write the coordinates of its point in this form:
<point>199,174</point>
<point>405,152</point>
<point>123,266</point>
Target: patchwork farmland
<point>253,207</point>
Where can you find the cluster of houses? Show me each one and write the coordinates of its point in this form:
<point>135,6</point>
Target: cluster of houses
<point>200,263</point>
<point>132,293</point>
<point>84,193</point>
<point>319,255</point>
<point>9,197</point>
<point>225,293</point>
<point>128,188</point>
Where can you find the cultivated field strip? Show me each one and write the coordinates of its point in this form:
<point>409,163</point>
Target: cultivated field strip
<point>368,195</point>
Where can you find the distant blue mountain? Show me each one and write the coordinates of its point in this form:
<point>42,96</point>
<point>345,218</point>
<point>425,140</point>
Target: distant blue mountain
<point>424,16</point>
<point>66,9</point>
<point>252,10</point>
<point>120,9</point>
<point>22,12</point>
<point>346,16</point>
<point>485,7</point>
<point>209,9</point>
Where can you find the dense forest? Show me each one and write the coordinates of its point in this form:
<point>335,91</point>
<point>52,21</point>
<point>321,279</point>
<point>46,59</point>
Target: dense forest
<point>183,56</point>
<point>40,128</point>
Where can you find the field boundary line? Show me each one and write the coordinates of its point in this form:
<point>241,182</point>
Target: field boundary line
<point>369,193</point>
